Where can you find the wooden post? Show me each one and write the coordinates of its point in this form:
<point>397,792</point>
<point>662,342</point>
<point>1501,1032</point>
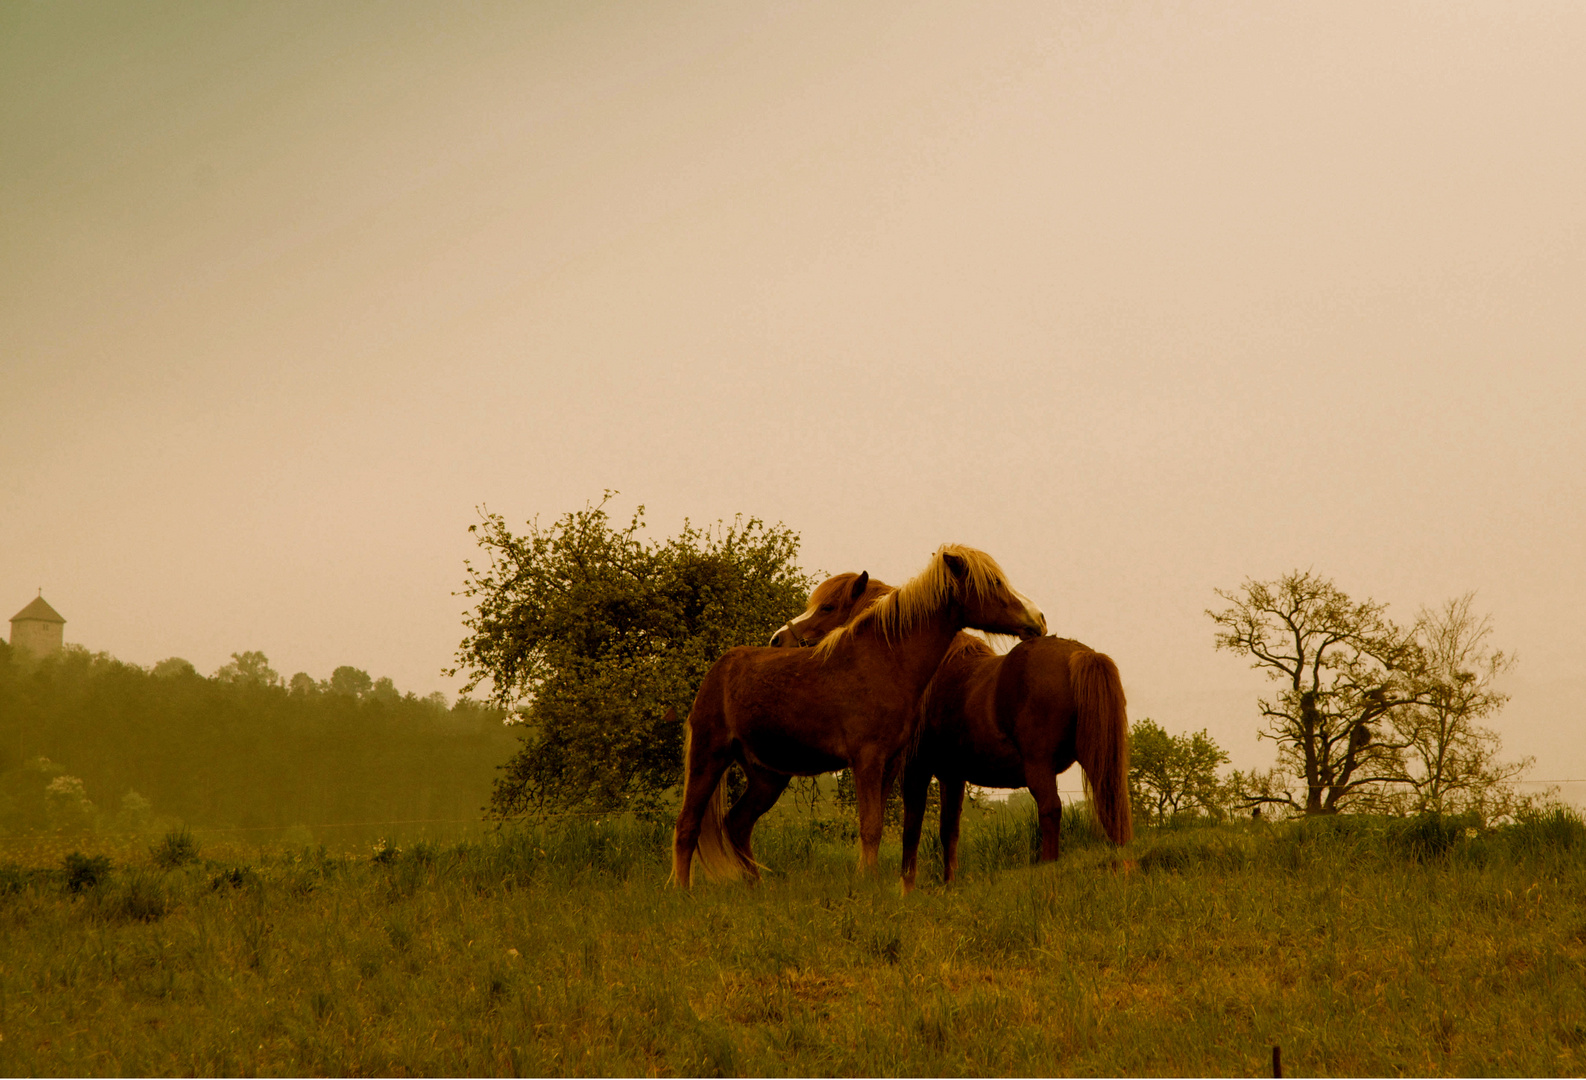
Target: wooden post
<point>1277,1062</point>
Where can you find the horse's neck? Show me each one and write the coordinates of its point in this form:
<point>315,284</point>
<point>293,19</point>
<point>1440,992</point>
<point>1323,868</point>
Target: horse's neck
<point>916,653</point>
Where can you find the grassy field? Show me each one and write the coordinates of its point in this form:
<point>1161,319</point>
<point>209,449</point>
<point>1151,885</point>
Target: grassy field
<point>1359,946</point>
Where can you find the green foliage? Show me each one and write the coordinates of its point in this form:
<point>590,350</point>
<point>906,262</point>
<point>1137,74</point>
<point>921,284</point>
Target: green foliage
<point>1174,774</point>
<point>592,632</point>
<point>174,667</point>
<point>176,848</point>
<point>252,668</point>
<point>350,681</point>
<point>88,743</point>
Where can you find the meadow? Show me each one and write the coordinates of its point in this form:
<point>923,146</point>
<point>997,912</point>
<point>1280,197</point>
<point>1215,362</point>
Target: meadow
<point>1360,946</point>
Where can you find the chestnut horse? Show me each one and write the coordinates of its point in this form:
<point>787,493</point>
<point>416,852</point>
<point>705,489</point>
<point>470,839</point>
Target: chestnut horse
<point>1000,721</point>
<point>853,700</point>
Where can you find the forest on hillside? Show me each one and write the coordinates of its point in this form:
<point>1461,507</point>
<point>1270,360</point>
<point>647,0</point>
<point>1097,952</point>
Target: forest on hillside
<point>88,742</point>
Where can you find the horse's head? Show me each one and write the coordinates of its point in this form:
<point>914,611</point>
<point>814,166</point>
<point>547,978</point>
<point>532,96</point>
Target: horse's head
<point>833,603</point>
<point>989,602</point>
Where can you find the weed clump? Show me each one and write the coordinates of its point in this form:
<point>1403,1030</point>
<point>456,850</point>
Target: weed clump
<point>235,878</point>
<point>12,878</point>
<point>1538,831</point>
<point>1427,837</point>
<point>141,899</point>
<point>85,871</point>
<point>1211,849</point>
<point>176,848</point>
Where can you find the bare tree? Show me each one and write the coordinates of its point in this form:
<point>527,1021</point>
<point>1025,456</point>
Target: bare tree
<point>1371,716</point>
<point>1450,761</point>
<point>1345,670</point>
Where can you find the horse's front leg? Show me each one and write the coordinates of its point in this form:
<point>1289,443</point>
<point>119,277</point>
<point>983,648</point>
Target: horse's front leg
<point>1042,780</point>
<point>872,777</point>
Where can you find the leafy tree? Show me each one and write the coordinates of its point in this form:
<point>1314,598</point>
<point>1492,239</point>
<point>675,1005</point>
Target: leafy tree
<point>350,681</point>
<point>1173,774</point>
<point>249,668</point>
<point>1369,715</point>
<point>69,807</point>
<point>591,632</point>
<point>174,667</point>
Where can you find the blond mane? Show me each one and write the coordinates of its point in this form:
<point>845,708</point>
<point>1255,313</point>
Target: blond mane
<point>922,596</point>
<point>968,643</point>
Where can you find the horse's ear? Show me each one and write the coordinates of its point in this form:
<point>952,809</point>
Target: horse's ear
<point>671,715</point>
<point>860,583</point>
<point>955,565</point>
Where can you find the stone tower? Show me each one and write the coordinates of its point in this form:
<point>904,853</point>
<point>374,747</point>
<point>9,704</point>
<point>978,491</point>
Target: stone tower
<point>37,629</point>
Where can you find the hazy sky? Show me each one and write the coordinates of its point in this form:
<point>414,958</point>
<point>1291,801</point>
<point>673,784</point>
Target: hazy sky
<point>1142,298</point>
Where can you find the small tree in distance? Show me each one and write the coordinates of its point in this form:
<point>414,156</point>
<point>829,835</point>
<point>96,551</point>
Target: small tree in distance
<point>1450,761</point>
<point>251,668</point>
<point>1174,774</point>
<point>590,633</point>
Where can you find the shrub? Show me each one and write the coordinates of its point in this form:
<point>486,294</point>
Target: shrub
<point>1430,836</point>
<point>177,848</point>
<point>84,871</point>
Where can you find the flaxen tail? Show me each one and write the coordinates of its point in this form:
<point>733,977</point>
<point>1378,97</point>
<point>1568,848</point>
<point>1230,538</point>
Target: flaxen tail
<point>717,857</point>
<point>1101,740</point>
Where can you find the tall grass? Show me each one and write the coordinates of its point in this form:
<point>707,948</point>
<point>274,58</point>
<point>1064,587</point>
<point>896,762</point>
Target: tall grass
<point>1358,945</point>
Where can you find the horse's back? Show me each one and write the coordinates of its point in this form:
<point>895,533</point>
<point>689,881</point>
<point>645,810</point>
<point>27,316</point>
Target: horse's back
<point>787,709</point>
<point>1036,700</point>
<point>959,734</point>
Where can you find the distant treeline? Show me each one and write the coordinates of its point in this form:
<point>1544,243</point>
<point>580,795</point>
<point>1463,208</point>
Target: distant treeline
<point>90,742</point>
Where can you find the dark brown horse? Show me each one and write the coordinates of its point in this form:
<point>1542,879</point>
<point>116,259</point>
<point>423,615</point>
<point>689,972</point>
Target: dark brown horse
<point>853,700</point>
<point>1000,721</point>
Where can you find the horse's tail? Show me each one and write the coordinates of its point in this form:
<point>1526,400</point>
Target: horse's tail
<point>1101,740</point>
<point>717,857</point>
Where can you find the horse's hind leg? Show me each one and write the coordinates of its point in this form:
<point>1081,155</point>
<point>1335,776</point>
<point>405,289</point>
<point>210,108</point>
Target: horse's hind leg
<point>916,789</point>
<point>952,793</point>
<point>707,760</point>
<point>1042,779</point>
<point>765,788</point>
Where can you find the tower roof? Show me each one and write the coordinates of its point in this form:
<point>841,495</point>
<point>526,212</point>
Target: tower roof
<point>39,611</point>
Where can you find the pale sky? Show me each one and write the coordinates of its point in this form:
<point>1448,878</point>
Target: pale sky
<point>1142,298</point>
